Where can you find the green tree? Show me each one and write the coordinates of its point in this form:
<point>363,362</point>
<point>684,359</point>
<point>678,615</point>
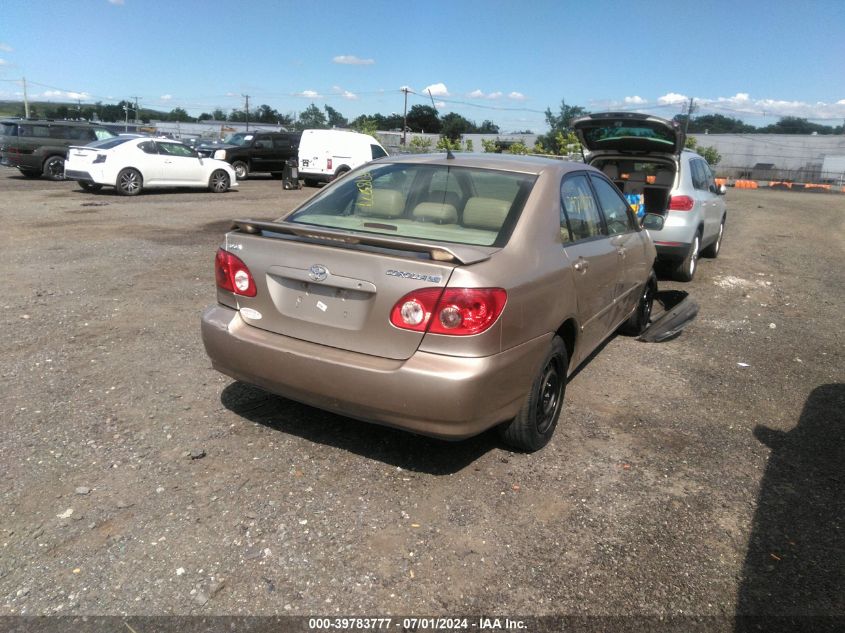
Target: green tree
<point>489,146</point>
<point>707,153</point>
<point>365,125</point>
<point>518,148</point>
<point>468,145</point>
<point>560,124</point>
<point>487,127</point>
<point>454,126</point>
<point>420,143</point>
<point>422,118</point>
<point>312,118</point>
<point>266,114</point>
<point>218,115</point>
<point>445,143</point>
<point>335,118</point>
<point>178,114</point>
<point>718,124</point>
<point>205,116</point>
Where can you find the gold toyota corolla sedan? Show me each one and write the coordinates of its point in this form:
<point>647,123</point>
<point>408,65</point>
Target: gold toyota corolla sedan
<point>441,294</point>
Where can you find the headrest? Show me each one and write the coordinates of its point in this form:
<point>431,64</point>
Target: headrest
<point>441,213</point>
<point>486,213</point>
<point>611,171</point>
<point>385,203</point>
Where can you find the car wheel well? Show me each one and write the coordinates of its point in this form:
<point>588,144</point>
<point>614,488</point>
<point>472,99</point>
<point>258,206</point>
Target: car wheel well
<point>568,332</point>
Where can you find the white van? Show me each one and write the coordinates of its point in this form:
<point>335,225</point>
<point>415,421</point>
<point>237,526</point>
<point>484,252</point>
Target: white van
<point>328,154</point>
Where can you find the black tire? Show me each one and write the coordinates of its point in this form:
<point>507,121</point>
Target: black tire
<point>685,269</point>
<point>712,251</point>
<point>129,182</point>
<point>219,181</point>
<point>54,168</point>
<point>340,173</point>
<point>535,423</point>
<point>30,173</point>
<point>241,169</point>
<point>89,186</point>
<point>638,322</point>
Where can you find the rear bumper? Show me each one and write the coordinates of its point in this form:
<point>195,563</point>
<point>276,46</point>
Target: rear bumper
<point>431,394</point>
<point>671,250</point>
<point>71,174</point>
<point>318,176</point>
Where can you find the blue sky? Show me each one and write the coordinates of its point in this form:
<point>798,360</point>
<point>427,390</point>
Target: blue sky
<point>497,60</point>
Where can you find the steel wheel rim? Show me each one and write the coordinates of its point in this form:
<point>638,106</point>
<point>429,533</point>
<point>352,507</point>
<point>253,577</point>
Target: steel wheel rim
<point>648,300</point>
<point>549,395</point>
<point>240,171</point>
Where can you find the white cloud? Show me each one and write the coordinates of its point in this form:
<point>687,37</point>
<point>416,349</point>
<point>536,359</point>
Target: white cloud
<point>61,94</point>
<point>346,94</point>
<point>118,3</point>
<point>635,100</point>
<point>477,94</point>
<point>516,96</point>
<point>352,60</point>
<point>437,90</point>
<point>309,94</point>
<point>840,102</point>
<point>494,95</point>
<point>3,62</point>
<point>6,48</point>
<point>672,98</point>
<point>166,97</point>
<point>440,105</point>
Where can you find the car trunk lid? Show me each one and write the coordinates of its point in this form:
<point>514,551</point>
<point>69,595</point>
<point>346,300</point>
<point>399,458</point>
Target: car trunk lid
<point>629,132</point>
<point>336,288</point>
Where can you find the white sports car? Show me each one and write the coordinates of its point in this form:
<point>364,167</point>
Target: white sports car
<point>130,164</point>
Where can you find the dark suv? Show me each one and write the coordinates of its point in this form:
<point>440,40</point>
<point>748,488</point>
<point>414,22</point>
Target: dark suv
<point>39,147</point>
<point>258,151</point>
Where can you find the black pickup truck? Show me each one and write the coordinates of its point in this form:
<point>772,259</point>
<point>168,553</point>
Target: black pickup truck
<point>250,152</point>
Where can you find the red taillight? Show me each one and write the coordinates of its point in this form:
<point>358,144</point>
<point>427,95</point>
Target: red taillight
<point>233,275</point>
<point>681,203</point>
<point>453,311</point>
<point>329,164</point>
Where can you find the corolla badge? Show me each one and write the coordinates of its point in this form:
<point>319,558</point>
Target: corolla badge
<point>318,272</point>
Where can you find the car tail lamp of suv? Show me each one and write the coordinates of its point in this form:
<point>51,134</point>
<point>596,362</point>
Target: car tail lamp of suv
<point>681,203</point>
<point>452,311</point>
<point>233,275</point>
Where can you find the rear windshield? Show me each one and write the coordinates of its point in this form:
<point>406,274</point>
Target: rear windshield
<point>596,136</point>
<point>462,205</point>
<point>110,142</point>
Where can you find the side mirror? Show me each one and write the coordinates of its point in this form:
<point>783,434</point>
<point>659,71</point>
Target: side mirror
<point>653,221</point>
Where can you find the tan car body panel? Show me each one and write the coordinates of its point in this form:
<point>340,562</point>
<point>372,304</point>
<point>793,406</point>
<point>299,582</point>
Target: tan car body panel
<point>441,385</point>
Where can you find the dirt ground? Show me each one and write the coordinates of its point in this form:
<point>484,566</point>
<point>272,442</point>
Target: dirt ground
<point>701,476</point>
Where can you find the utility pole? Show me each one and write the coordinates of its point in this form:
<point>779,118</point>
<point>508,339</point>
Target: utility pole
<point>689,115</point>
<point>405,117</point>
<point>247,111</point>
<point>25,100</point>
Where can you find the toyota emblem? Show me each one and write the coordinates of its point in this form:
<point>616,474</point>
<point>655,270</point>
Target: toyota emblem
<point>318,272</point>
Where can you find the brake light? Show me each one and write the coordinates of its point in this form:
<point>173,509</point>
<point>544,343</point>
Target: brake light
<point>101,158</point>
<point>329,164</point>
<point>681,203</point>
<point>233,275</point>
<point>452,311</point>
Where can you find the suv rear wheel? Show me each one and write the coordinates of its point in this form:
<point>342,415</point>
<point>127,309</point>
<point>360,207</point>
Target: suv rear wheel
<point>712,251</point>
<point>54,168</point>
<point>685,269</point>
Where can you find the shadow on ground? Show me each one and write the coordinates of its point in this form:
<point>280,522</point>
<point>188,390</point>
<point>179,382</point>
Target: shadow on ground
<point>396,448</point>
<point>794,572</point>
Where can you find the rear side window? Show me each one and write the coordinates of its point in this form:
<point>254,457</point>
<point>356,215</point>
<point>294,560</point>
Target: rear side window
<point>463,205</point>
<point>614,207</point>
<point>9,129</point>
<point>579,209</point>
<point>377,151</point>
<point>699,174</point>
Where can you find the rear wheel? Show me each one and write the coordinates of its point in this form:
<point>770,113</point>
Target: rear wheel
<point>54,168</point>
<point>535,424</point>
<point>712,251</point>
<point>129,182</point>
<point>341,172</point>
<point>241,169</point>
<point>89,186</point>
<point>638,322</point>
<point>685,269</point>
<point>219,181</point>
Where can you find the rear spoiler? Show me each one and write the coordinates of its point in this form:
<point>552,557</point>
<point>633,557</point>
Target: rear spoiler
<point>438,252</point>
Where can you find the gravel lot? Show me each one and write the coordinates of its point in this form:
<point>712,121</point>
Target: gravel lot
<point>702,476</point>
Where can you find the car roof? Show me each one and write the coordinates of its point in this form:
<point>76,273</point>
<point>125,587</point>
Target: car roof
<point>506,162</point>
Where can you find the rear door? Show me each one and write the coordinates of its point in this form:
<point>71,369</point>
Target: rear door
<point>593,259</point>
<point>629,132</point>
<point>263,155</point>
<point>629,242</point>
